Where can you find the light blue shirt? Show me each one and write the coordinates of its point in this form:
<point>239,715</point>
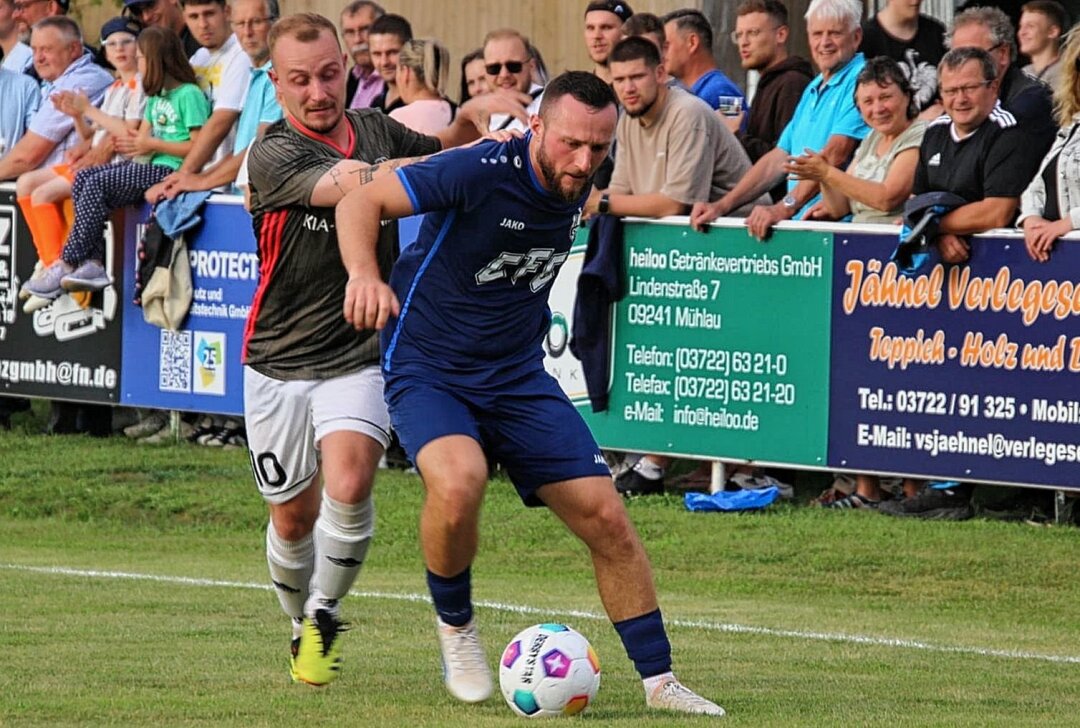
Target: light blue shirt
<point>20,100</point>
<point>19,59</point>
<point>260,107</point>
<point>826,108</point>
<point>56,126</point>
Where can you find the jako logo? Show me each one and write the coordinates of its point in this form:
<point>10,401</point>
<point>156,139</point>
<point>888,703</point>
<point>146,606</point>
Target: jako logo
<point>512,224</point>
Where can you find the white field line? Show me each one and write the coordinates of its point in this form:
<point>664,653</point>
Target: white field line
<point>699,624</point>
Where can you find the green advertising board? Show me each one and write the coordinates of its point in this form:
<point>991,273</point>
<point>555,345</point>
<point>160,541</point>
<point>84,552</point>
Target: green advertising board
<point>721,345</point>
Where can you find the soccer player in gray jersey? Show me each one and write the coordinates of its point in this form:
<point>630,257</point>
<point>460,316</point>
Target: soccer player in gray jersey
<point>312,387</point>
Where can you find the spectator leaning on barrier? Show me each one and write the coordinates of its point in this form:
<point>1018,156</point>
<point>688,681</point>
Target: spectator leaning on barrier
<point>251,20</point>
<point>673,151</point>
<point>978,152</point>
<point>603,29</point>
<point>509,65</point>
<point>175,111</point>
<point>164,14</point>
<point>63,65</point>
<point>388,33</point>
<point>21,97</point>
<point>761,34</point>
<point>224,73</point>
<point>1042,28</point>
<point>915,41</point>
<point>1021,95</point>
<point>1050,206</point>
<point>688,56</point>
<point>16,55</point>
<point>879,179</point>
<point>364,85</point>
<point>825,120</point>
<point>423,66</point>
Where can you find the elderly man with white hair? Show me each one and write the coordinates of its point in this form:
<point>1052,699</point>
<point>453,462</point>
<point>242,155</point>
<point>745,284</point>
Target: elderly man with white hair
<point>826,121</point>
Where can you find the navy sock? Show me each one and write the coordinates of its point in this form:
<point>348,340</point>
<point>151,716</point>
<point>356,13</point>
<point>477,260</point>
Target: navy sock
<point>646,643</point>
<point>452,597</point>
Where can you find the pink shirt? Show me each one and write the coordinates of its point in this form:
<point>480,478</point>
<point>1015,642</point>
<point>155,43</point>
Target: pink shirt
<point>367,90</point>
<point>426,116</point>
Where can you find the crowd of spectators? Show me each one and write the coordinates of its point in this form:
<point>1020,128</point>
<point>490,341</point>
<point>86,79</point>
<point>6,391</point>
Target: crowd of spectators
<point>901,105</point>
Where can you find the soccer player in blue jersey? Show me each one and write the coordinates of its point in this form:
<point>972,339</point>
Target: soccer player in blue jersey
<point>464,371</point>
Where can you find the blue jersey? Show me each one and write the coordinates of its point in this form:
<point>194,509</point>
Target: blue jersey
<point>474,287</point>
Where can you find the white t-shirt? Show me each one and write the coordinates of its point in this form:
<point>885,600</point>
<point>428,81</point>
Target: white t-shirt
<point>125,101</point>
<point>224,76</point>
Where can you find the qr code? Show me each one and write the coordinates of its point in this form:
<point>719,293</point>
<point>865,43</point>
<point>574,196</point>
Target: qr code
<point>175,370</point>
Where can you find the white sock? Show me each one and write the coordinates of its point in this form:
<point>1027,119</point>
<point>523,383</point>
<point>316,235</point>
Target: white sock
<point>651,683</point>
<point>648,469</point>
<point>343,533</point>
<point>291,563</point>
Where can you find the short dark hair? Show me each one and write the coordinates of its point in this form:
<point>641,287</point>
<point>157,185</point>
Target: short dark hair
<point>391,24</point>
<point>957,57</point>
<point>642,23</point>
<point>773,8</point>
<point>583,86</point>
<point>185,3</point>
<point>693,21</point>
<point>883,70</point>
<point>635,48</point>
<point>1055,11</point>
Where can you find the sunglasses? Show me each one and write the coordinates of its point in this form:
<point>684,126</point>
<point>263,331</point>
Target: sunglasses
<point>493,69</point>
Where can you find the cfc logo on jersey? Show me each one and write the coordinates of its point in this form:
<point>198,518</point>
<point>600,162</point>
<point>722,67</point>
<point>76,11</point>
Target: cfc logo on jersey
<point>539,263</point>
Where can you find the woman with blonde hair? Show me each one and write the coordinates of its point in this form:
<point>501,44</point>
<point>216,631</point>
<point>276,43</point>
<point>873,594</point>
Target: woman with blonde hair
<point>422,70</point>
<point>1050,206</point>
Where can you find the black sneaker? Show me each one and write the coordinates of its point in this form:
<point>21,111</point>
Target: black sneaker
<point>947,504</point>
<point>631,482</point>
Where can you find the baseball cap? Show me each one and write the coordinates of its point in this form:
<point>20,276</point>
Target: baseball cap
<point>134,3</point>
<point>120,25</point>
<point>617,7</point>
<point>65,5</point>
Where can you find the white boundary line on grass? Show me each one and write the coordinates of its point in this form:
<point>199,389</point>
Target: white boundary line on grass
<point>706,625</point>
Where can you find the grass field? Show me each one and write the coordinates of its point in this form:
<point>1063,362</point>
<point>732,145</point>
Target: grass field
<point>132,592</point>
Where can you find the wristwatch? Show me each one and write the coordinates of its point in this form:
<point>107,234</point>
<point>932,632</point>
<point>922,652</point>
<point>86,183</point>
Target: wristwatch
<point>605,204</point>
<point>790,202</point>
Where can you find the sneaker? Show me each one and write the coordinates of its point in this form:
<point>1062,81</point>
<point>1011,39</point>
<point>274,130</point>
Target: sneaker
<point>165,436</point>
<point>944,504</point>
<point>757,481</point>
<point>465,669</point>
<point>230,433</point>
<point>47,285</point>
<point>90,276</point>
<point>35,303</point>
<point>24,290</point>
<point>632,483</point>
<point>673,695</point>
<point>147,426</point>
<point>853,501</point>
<point>318,656</point>
<point>204,428</point>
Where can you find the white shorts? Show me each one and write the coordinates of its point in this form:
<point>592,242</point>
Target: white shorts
<point>286,420</point>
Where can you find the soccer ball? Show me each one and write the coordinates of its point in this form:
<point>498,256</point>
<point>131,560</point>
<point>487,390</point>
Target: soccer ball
<point>549,670</point>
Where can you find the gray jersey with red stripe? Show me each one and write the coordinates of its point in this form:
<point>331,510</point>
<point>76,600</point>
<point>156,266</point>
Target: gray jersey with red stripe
<point>296,329</point>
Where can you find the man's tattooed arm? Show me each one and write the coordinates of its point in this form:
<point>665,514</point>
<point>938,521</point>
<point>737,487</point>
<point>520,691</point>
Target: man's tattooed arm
<point>348,175</point>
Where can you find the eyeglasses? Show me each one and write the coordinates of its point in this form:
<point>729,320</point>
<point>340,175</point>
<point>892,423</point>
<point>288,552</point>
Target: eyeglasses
<point>737,36</point>
<point>966,89</point>
<point>25,4</point>
<point>119,43</point>
<point>493,69</point>
<point>252,23</point>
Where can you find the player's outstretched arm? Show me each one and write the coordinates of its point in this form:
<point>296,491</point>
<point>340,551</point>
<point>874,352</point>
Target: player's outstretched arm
<point>348,174</point>
<point>369,301</point>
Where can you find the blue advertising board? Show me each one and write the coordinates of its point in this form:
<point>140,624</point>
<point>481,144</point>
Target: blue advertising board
<point>967,371</point>
<point>197,367</point>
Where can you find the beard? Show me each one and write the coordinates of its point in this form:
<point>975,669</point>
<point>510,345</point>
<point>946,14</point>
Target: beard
<point>643,110</point>
<point>552,179</point>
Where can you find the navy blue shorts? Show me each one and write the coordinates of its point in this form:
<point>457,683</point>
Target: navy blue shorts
<point>529,427</point>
